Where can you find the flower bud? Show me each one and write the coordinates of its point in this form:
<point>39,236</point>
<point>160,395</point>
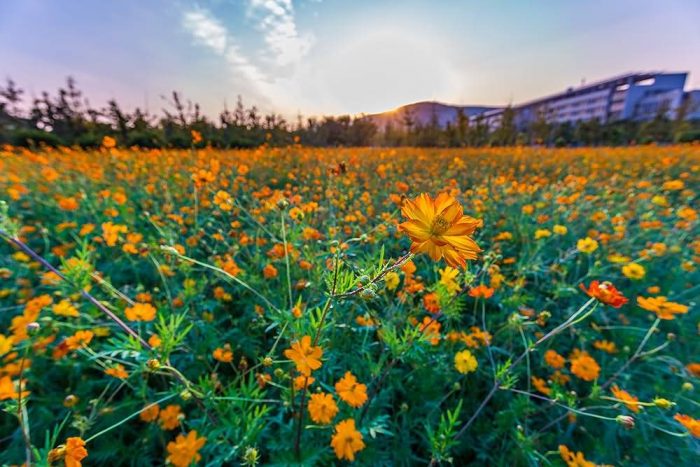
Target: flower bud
<point>282,204</point>
<point>367,294</point>
<point>70,400</point>
<point>186,395</point>
<point>663,403</point>
<point>33,328</point>
<point>267,361</point>
<point>626,421</point>
<point>251,456</point>
<point>687,387</point>
<point>153,364</point>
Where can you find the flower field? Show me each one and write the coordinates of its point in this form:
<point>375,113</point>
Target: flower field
<point>297,306</point>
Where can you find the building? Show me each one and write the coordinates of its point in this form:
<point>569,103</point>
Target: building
<point>634,96</point>
<point>693,105</point>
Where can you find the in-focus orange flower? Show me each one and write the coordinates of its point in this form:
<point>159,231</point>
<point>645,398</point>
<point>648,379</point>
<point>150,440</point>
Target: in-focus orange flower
<point>306,357</point>
<point>347,440</point>
<point>662,307</point>
<point>322,408</point>
<point>352,392</point>
<point>185,449</point>
<point>439,228</point>
<point>605,293</point>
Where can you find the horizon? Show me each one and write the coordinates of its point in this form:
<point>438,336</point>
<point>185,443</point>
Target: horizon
<point>316,57</point>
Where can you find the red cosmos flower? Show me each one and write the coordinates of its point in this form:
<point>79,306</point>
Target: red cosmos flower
<point>605,293</point>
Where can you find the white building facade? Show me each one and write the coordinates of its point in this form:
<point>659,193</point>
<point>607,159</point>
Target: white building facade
<point>634,96</point>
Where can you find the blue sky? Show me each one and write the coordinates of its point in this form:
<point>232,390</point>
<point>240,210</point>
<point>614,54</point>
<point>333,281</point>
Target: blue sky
<point>333,56</point>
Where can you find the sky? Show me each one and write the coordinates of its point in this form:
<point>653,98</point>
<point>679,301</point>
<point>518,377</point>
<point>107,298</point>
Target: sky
<point>321,57</point>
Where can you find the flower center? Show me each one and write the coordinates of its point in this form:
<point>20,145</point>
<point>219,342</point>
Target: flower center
<point>439,226</point>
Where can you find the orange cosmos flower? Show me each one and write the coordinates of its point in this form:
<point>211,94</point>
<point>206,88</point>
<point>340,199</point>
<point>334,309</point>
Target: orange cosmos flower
<point>431,302</point>
<point>301,382</point>
<point>347,440</point>
<point>585,367</point>
<point>140,312</point>
<point>117,371</point>
<point>553,359</point>
<point>68,204</point>
<point>574,459</point>
<point>150,413</point>
<point>223,354</point>
<point>605,293</point>
<point>693,368</point>
<point>9,390</point>
<point>185,449</point>
<point>170,417</point>
<point>541,385</point>
<point>322,408</point>
<point>605,346</point>
<point>306,357</point>
<point>269,271</point>
<point>79,339</point>
<point>690,423</point>
<point>109,142</point>
<point>628,399</point>
<point>352,392</point>
<point>439,228</point>
<point>481,291</point>
<point>662,307</point>
<point>72,453</point>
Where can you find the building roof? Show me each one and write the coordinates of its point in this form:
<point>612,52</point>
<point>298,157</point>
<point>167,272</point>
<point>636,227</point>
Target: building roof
<point>595,86</point>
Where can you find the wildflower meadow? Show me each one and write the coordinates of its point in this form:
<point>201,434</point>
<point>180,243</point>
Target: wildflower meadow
<point>308,306</point>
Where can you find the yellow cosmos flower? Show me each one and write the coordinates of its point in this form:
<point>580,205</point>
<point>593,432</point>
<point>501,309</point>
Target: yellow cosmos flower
<point>587,245</point>
<point>634,271</point>
<point>465,362</point>
<point>439,228</point>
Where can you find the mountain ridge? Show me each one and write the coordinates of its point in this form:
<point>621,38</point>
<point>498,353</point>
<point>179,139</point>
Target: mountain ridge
<point>424,112</point>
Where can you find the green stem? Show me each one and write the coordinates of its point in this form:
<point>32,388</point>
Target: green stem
<point>135,414</point>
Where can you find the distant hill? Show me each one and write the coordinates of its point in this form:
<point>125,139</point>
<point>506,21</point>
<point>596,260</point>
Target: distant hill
<point>423,113</point>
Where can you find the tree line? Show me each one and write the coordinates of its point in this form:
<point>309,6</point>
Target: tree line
<point>67,119</point>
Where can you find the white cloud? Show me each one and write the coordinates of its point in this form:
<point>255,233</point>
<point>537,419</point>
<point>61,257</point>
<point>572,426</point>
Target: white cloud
<point>277,23</point>
<point>206,29</point>
<point>285,48</point>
